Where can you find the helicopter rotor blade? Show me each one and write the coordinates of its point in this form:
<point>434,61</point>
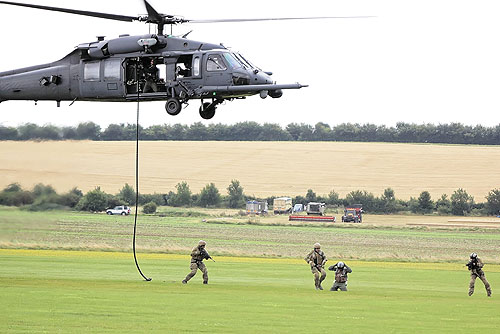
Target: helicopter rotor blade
<point>153,15</point>
<point>278,19</point>
<point>74,11</point>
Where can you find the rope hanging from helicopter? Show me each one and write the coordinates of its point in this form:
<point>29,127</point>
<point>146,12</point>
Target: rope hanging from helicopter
<point>137,171</point>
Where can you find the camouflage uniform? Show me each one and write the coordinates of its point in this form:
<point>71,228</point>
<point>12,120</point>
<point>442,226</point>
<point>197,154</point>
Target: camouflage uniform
<point>317,259</point>
<point>341,271</point>
<point>197,256</point>
<point>475,272</point>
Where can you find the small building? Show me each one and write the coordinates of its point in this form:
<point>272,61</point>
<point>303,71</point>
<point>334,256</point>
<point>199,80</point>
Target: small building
<point>256,207</point>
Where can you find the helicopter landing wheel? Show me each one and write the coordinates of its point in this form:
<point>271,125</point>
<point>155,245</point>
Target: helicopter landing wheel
<point>207,112</point>
<point>173,106</point>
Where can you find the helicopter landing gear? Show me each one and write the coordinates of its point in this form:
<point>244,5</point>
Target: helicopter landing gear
<point>173,106</point>
<point>207,110</point>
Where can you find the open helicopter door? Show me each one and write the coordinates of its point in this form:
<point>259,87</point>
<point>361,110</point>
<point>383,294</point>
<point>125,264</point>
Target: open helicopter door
<point>188,70</point>
<point>102,79</point>
<point>152,74</point>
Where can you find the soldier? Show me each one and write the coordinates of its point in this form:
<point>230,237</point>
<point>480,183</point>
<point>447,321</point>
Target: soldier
<point>317,259</point>
<point>341,271</point>
<point>475,265</point>
<point>197,256</point>
<point>151,76</point>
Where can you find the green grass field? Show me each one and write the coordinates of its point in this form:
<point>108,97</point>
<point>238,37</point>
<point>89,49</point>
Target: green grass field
<point>71,272</point>
<point>101,292</point>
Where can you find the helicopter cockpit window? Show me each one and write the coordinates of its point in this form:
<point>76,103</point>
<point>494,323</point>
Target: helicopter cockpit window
<point>91,71</point>
<point>112,69</point>
<point>245,62</point>
<point>215,63</point>
<point>233,62</point>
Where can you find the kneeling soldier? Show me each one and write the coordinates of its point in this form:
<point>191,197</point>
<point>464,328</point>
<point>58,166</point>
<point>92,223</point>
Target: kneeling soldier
<point>197,256</point>
<point>317,259</point>
<point>341,271</point>
<point>475,265</point>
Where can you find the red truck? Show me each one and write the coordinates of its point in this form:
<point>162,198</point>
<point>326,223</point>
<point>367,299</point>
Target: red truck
<point>353,213</point>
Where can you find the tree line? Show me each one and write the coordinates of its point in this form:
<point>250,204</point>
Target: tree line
<point>453,133</point>
<point>44,197</point>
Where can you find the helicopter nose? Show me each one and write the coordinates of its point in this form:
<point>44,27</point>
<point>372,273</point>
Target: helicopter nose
<point>262,78</point>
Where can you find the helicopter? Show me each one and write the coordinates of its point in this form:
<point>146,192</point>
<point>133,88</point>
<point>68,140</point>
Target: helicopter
<point>150,67</point>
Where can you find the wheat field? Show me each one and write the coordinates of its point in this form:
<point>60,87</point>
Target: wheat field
<point>263,168</point>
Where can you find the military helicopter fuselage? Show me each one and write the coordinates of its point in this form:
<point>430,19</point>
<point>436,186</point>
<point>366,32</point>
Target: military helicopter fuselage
<point>146,68</point>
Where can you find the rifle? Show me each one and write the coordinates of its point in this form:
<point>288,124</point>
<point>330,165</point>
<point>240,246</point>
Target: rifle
<point>205,255</point>
<point>472,265</point>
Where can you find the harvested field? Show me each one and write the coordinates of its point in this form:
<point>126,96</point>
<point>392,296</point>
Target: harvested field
<point>263,168</point>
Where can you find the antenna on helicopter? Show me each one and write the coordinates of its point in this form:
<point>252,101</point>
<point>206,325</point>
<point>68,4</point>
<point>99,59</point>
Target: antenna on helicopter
<point>186,34</point>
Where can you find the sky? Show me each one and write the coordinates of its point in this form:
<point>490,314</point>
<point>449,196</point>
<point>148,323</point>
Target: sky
<point>417,61</point>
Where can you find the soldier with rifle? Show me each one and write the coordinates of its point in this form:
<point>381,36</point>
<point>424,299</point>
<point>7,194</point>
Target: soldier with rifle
<point>317,259</point>
<point>198,254</point>
<point>475,266</point>
<point>341,271</point>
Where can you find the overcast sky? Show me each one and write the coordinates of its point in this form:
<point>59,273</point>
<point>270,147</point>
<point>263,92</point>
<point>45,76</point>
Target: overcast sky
<point>418,61</point>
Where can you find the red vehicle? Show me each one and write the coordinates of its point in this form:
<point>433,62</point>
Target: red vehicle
<point>353,213</point>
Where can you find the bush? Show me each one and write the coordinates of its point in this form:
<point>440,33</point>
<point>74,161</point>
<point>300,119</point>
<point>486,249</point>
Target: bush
<point>158,199</point>
<point>461,202</point>
<point>493,202</point>
<point>236,197</point>
<point>94,201</point>
<point>44,206</point>
<point>361,197</point>
<point>149,208</point>
<point>443,205</point>
<point>71,198</point>
<point>425,203</point>
<point>182,197</point>
<point>14,195</point>
<point>43,190</point>
<point>210,195</point>
<point>127,194</point>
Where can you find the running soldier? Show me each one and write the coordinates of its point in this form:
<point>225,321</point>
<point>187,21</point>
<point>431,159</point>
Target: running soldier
<point>475,265</point>
<point>317,259</point>
<point>197,256</point>
<point>341,271</point>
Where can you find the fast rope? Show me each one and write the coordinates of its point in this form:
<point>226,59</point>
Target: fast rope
<point>137,172</point>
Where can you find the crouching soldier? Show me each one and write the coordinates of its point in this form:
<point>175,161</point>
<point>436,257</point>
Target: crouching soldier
<point>341,271</point>
<point>317,259</point>
<point>197,256</point>
<point>475,265</point>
